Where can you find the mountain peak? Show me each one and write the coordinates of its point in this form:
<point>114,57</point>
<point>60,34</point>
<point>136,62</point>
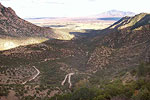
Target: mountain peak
<point>6,12</point>
<point>1,5</point>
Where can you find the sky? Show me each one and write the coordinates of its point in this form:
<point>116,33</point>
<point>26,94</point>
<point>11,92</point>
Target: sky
<point>73,8</point>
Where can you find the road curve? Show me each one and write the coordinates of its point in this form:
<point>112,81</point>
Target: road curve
<point>63,82</point>
<point>69,79</point>
<point>38,72</point>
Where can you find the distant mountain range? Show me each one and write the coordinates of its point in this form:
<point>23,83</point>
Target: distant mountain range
<point>107,14</point>
<point>114,13</point>
<point>42,18</point>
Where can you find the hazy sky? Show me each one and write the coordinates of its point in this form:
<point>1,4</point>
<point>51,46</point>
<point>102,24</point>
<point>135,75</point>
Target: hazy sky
<point>73,8</point>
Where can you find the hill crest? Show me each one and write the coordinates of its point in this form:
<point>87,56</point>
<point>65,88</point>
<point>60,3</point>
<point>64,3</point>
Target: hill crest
<point>135,22</point>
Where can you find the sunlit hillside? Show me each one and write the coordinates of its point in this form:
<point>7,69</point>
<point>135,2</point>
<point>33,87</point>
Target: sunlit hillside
<point>8,43</point>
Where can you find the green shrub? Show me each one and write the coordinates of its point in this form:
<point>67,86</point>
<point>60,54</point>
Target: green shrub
<point>100,97</point>
<point>143,94</point>
<point>83,94</point>
<point>143,69</point>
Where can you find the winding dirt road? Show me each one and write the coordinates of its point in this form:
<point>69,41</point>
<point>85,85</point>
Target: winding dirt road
<point>38,72</point>
<point>69,79</point>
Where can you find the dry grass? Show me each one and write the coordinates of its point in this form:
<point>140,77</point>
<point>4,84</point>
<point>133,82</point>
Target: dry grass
<point>8,43</point>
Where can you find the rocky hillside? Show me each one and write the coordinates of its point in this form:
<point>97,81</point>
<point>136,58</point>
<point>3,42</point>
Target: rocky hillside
<point>13,28</point>
<point>122,44</point>
<point>135,22</point>
<point>108,55</point>
<point>12,25</point>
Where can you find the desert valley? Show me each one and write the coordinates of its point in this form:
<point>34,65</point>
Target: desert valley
<point>99,57</point>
